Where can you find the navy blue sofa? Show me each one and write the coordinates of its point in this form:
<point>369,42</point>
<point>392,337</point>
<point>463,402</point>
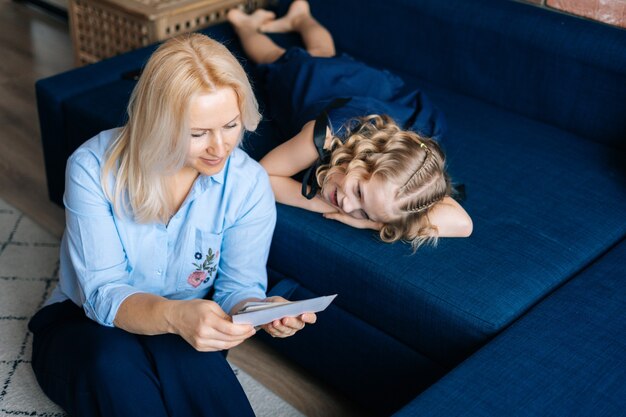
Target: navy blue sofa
<point>536,107</point>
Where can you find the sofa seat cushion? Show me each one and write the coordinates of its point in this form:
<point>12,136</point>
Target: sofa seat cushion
<point>545,203</point>
<point>564,358</point>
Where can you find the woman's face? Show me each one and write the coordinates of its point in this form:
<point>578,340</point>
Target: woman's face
<point>215,122</point>
<point>361,198</point>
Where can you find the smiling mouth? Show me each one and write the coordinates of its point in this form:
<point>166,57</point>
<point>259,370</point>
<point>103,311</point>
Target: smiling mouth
<point>212,162</point>
<point>333,198</point>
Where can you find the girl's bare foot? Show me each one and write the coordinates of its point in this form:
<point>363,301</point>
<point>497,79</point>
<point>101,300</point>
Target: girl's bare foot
<point>298,10</point>
<point>241,20</point>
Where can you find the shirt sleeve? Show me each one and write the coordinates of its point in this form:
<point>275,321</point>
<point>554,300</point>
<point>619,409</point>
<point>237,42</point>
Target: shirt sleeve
<point>94,246</point>
<point>242,270</point>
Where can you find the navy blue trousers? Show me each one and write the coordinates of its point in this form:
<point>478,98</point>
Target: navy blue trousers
<point>93,370</point>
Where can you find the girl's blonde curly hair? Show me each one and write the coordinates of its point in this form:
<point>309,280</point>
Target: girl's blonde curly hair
<point>415,164</point>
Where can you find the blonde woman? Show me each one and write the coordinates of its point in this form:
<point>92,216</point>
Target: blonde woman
<point>168,231</point>
<point>367,145</point>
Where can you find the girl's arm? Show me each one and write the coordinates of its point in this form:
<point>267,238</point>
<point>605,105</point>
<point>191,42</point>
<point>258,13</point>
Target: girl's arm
<point>451,219</point>
<point>288,159</point>
<point>448,215</point>
<point>299,153</point>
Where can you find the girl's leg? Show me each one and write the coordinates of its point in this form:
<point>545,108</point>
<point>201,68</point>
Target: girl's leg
<point>92,370</point>
<point>259,48</point>
<point>317,39</point>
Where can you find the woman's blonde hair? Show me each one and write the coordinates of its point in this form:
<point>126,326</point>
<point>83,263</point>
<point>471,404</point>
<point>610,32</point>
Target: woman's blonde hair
<point>415,164</point>
<point>155,140</point>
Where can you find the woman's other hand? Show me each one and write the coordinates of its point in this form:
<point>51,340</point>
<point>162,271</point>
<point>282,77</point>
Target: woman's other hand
<point>206,327</point>
<point>353,221</point>
<point>287,326</point>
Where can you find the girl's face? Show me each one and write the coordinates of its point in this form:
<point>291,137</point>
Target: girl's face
<point>215,122</point>
<point>361,198</point>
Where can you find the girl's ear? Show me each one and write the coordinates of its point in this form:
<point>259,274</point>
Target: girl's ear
<point>421,231</point>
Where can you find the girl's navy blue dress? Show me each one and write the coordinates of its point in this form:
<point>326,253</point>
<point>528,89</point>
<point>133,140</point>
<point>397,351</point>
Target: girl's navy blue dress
<point>301,86</point>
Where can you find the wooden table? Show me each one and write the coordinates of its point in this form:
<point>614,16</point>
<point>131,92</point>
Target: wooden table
<point>104,28</point>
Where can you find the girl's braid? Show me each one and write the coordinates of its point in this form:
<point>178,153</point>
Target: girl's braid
<point>410,182</point>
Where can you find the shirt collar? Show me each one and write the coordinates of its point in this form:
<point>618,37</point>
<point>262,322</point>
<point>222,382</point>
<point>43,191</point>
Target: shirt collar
<point>205,180</point>
<point>219,177</point>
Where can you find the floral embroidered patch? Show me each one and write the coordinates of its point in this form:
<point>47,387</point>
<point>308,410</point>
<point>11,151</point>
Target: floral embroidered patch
<point>204,271</point>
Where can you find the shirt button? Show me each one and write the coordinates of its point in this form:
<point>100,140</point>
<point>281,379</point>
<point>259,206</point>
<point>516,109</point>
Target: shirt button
<point>159,271</point>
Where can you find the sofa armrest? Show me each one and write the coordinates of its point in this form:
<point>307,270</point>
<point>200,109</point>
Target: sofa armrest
<point>52,92</point>
<point>565,357</point>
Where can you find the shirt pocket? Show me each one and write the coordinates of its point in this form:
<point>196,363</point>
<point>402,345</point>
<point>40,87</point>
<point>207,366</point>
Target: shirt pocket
<point>202,258</point>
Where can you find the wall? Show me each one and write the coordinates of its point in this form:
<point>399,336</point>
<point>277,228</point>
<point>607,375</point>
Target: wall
<point>612,12</point>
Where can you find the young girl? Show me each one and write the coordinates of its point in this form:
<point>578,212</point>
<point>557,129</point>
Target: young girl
<point>369,148</point>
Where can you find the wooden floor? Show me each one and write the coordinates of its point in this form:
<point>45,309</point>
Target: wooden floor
<point>34,45</point>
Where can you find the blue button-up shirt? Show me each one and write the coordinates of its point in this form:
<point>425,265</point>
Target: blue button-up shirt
<point>219,238</point>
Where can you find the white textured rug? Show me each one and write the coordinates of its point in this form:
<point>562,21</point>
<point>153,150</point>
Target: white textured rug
<point>28,272</point>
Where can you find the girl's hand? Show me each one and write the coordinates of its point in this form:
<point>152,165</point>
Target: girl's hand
<point>287,326</point>
<point>353,221</point>
<point>206,327</point>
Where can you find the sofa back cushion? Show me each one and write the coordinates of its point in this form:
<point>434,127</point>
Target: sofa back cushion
<point>549,66</point>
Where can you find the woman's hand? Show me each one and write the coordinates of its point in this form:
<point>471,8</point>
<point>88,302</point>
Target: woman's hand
<point>353,221</point>
<point>287,326</point>
<point>206,327</point>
